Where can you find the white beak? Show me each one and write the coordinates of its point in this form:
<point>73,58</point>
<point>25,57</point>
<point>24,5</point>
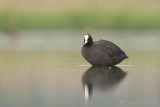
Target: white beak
<point>86,39</point>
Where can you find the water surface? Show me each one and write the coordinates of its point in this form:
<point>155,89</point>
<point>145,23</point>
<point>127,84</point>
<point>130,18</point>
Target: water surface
<point>46,69</point>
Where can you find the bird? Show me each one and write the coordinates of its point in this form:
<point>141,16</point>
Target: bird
<point>101,52</point>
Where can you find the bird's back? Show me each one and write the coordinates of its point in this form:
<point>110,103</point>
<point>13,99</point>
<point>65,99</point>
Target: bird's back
<point>108,47</point>
<point>112,50</point>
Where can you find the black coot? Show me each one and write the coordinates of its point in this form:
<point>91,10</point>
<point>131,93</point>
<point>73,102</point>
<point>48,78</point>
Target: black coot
<point>102,52</point>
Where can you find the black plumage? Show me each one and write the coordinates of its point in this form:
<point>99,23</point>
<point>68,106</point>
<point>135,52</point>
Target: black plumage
<point>102,52</point>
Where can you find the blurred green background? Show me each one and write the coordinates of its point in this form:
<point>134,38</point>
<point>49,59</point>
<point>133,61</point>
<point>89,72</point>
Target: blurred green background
<point>79,14</point>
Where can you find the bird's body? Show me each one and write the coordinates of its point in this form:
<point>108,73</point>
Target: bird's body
<point>102,53</point>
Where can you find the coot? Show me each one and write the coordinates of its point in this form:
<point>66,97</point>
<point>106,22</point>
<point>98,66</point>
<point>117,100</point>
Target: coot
<point>102,52</point>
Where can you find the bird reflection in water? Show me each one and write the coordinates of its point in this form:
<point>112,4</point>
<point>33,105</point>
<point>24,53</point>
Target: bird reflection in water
<point>103,78</point>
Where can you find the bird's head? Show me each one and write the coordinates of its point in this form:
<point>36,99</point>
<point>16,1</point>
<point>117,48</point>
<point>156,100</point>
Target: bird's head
<point>88,40</point>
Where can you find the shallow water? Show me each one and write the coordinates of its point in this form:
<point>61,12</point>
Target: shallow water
<point>46,69</point>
